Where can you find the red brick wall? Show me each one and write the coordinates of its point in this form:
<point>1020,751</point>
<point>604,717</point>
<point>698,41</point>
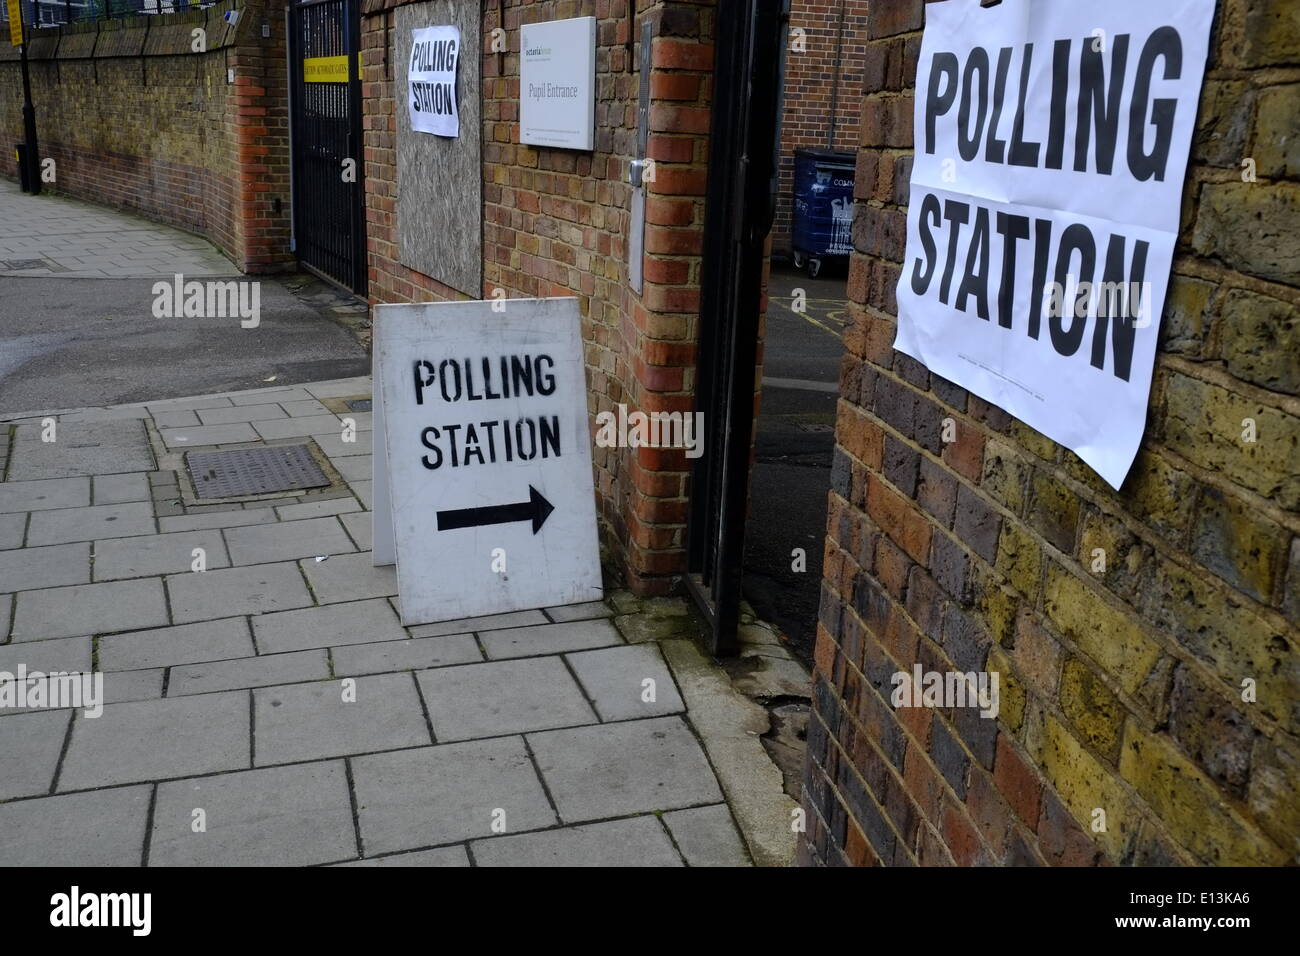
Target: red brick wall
<point>1121,685</point>
<point>556,222</point>
<point>165,134</point>
<point>817,96</point>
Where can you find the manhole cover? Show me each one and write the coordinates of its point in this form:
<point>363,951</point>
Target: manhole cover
<point>253,471</point>
<point>815,427</point>
<point>17,265</point>
<point>359,404</point>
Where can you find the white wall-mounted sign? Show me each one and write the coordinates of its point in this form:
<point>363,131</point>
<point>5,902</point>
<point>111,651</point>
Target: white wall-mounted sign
<point>557,83</point>
<point>483,483</point>
<point>431,81</point>
<point>1051,145</point>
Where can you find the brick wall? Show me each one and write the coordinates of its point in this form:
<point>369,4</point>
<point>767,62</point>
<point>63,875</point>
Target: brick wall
<point>134,118</point>
<point>556,223</point>
<point>822,103</point>
<point>1121,687</point>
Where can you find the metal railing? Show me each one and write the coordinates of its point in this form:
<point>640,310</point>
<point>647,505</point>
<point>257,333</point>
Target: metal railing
<point>54,13</point>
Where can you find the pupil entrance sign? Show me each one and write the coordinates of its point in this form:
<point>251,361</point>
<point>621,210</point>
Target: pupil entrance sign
<point>483,482</point>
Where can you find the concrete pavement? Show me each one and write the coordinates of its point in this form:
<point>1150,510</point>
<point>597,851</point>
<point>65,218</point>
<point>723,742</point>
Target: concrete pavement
<point>269,708</point>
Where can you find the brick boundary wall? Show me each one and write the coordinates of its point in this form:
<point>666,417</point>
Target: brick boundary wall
<point>810,98</point>
<point>135,119</point>
<point>556,223</point>
<point>1121,688</point>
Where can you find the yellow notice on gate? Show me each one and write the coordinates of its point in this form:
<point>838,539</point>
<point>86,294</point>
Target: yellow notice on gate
<point>15,22</point>
<point>324,69</point>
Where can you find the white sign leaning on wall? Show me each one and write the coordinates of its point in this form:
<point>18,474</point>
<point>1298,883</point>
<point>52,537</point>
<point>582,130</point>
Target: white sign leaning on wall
<point>1051,146</point>
<point>431,81</point>
<point>557,83</point>
<point>484,492</point>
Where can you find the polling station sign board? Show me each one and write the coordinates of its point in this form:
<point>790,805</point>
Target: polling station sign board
<point>484,489</point>
<point>557,83</point>
<point>431,81</point>
<point>1051,144</point>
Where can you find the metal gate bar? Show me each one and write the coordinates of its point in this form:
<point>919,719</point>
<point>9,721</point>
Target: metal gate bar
<point>328,211</point>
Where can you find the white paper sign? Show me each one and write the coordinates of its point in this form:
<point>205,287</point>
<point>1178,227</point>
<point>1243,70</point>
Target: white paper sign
<point>486,457</point>
<point>557,83</point>
<point>431,81</point>
<point>1051,144</point>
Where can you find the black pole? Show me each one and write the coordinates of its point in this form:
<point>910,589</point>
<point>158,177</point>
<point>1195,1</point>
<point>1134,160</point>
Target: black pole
<point>31,154</point>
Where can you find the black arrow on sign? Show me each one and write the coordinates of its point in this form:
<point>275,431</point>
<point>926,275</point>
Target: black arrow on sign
<point>535,509</point>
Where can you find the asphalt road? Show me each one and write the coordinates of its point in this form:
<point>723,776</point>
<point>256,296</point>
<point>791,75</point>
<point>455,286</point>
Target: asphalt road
<point>66,343</point>
<point>796,439</point>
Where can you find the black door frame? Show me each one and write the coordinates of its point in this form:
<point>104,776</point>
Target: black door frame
<point>345,264</point>
<point>741,195</point>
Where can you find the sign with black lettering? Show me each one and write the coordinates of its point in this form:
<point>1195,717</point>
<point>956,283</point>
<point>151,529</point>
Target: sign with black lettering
<point>431,81</point>
<point>1051,145</point>
<point>483,481</point>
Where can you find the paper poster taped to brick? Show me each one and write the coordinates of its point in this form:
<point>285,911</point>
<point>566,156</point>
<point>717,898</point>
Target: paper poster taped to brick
<point>1051,145</point>
<point>431,81</point>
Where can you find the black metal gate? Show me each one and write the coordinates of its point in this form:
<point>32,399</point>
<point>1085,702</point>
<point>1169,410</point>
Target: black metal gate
<point>329,216</point>
<point>744,143</point>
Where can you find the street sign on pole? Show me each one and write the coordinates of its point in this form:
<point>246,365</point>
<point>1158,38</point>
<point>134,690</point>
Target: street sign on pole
<point>482,460</point>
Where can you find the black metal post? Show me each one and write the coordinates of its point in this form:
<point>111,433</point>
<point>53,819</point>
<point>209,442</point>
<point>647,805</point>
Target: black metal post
<point>31,154</point>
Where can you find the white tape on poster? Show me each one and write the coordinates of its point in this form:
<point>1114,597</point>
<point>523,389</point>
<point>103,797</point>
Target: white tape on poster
<point>431,81</point>
<point>1051,145</point>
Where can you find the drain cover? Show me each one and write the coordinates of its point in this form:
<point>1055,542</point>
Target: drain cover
<point>253,471</point>
<point>359,404</point>
<point>17,265</point>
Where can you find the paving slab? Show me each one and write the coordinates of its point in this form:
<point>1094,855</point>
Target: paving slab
<point>88,524</point>
<point>81,448</point>
<point>158,739</point>
<point>30,745</point>
<point>356,468</point>
<point>12,529</point>
<point>365,492</point>
<point>171,646</point>
<point>441,856</point>
<point>615,680</point>
<point>277,816</point>
<point>117,558</point>
<point>42,495</point>
<point>202,435</point>
<point>579,612</point>
<point>333,445</point>
<point>359,622</point>
<point>413,654</point>
<point>282,541</point>
<point>298,427</point>
<point>707,836</point>
<point>318,509</point>
<point>638,841</point>
<point>487,622</point>
<point>118,489</point>
<point>549,639</point>
<point>412,799</point>
<point>216,519</point>
<point>312,721</point>
<point>89,609</point>
<point>48,567</point>
<point>101,828</point>
<point>122,686</point>
<point>348,577</point>
<point>502,697</point>
<point>262,671</point>
<point>263,396</point>
<point>240,413</point>
<point>616,769</point>
<point>360,527</point>
<point>259,589</point>
<point>65,654</point>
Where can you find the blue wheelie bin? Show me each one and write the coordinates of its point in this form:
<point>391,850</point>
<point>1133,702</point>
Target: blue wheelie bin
<point>823,206</point>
